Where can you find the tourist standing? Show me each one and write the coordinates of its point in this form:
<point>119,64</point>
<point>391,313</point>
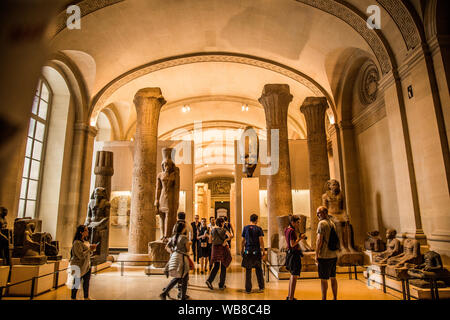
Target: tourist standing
<point>211,225</point>
<point>253,253</point>
<point>178,264</point>
<point>204,251</point>
<point>80,261</point>
<point>326,258</point>
<point>195,225</point>
<point>220,256</point>
<point>227,226</point>
<point>294,253</point>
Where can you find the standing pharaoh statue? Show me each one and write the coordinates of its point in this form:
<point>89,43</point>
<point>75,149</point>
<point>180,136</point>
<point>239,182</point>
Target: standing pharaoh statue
<point>250,151</point>
<point>333,199</point>
<point>97,221</point>
<point>167,193</point>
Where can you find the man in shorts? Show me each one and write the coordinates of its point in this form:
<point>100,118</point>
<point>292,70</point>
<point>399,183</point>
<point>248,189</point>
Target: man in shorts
<point>326,259</point>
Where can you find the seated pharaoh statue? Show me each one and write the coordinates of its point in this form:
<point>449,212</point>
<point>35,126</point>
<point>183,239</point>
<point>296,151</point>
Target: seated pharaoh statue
<point>97,221</point>
<point>393,248</point>
<point>333,199</point>
<point>51,248</point>
<point>432,268</point>
<point>33,247</point>
<point>374,242</point>
<point>409,258</point>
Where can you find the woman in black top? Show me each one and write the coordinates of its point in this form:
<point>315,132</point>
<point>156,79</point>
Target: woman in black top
<point>204,250</point>
<point>294,254</point>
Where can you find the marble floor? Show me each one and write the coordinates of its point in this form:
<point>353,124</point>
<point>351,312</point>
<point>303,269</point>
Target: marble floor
<point>135,285</point>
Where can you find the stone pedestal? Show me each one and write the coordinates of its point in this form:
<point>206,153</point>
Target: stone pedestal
<point>276,98</point>
<point>314,109</point>
<point>33,260</point>
<point>157,252</point>
<point>350,259</point>
<point>134,259</point>
<point>54,258</point>
<point>24,272</point>
<point>249,199</point>
<point>61,278</point>
<point>4,272</point>
<point>400,273</point>
<point>148,103</point>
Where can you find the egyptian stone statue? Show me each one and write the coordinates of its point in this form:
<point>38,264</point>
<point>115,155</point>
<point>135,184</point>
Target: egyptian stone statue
<point>4,236</point>
<point>167,193</point>
<point>410,256</point>
<point>51,248</point>
<point>97,221</point>
<point>33,246</point>
<point>431,268</point>
<point>374,242</point>
<point>333,199</point>
<point>251,151</point>
<point>393,247</point>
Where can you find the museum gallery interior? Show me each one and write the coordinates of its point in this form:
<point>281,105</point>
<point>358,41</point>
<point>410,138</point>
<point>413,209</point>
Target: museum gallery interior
<point>119,114</point>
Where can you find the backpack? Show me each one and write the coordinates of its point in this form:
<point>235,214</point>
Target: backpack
<point>333,240</point>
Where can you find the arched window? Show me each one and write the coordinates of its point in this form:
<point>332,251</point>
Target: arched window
<point>35,151</point>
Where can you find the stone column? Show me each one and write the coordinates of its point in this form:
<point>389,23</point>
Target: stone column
<point>314,109</point>
<point>276,98</point>
<point>148,102</point>
<point>104,169</point>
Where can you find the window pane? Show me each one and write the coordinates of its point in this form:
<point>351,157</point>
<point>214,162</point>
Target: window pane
<point>35,105</point>
<point>26,167</point>
<point>37,150</point>
<point>29,145</point>
<point>44,92</point>
<point>31,206</point>
<point>40,130</point>
<point>23,188</point>
<point>43,109</point>
<point>32,189</point>
<point>31,129</point>
<point>34,174</point>
<point>21,207</point>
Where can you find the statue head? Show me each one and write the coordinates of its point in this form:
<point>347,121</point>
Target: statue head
<point>99,193</point>
<point>3,212</point>
<point>432,260</point>
<point>168,165</point>
<point>391,233</point>
<point>373,234</point>
<point>47,238</point>
<point>30,227</point>
<point>334,186</point>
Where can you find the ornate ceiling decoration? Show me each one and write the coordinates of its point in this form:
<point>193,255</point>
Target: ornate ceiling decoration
<point>358,22</point>
<point>403,20</point>
<point>368,86</point>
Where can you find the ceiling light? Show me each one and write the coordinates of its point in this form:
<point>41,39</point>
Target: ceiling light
<point>185,109</point>
<point>244,108</point>
<point>209,172</point>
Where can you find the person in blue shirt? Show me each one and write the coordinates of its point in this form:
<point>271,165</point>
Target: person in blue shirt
<point>253,253</point>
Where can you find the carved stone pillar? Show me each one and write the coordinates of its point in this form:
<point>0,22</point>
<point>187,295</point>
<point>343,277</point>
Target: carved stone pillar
<point>148,102</point>
<point>276,98</point>
<point>104,169</point>
<point>314,109</point>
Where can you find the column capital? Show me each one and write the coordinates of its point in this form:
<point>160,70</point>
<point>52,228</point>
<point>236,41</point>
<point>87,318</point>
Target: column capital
<point>313,107</point>
<point>148,94</point>
<point>275,99</point>
<point>81,126</point>
<point>104,163</point>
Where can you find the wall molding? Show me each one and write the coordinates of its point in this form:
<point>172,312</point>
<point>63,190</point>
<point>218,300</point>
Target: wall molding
<point>372,114</point>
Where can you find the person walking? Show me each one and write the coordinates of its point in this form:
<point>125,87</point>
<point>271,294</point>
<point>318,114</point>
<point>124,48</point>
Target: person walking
<point>203,248</point>
<point>195,225</point>
<point>178,265</point>
<point>80,261</point>
<point>326,258</point>
<point>252,253</point>
<point>220,256</point>
<point>294,253</point>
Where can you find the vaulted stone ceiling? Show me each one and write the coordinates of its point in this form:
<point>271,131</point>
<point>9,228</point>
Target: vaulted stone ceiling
<point>296,42</point>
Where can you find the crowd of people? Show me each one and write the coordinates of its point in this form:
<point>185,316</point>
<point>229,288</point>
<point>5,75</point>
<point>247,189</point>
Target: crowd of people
<point>210,245</point>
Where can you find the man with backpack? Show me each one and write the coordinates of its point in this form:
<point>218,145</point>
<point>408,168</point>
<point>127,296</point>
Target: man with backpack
<point>327,247</point>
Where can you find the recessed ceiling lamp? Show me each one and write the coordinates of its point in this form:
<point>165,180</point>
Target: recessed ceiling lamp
<point>209,172</point>
<point>185,109</point>
<point>244,107</point>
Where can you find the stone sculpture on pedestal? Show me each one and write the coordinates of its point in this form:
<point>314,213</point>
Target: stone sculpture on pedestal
<point>374,242</point>
<point>167,194</point>
<point>4,237</point>
<point>333,199</point>
<point>251,154</point>
<point>33,247</point>
<point>393,248</point>
<point>20,226</point>
<point>398,266</point>
<point>51,248</point>
<point>97,221</point>
<point>431,269</point>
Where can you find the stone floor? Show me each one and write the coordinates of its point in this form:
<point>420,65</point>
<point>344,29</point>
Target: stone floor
<point>135,285</point>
